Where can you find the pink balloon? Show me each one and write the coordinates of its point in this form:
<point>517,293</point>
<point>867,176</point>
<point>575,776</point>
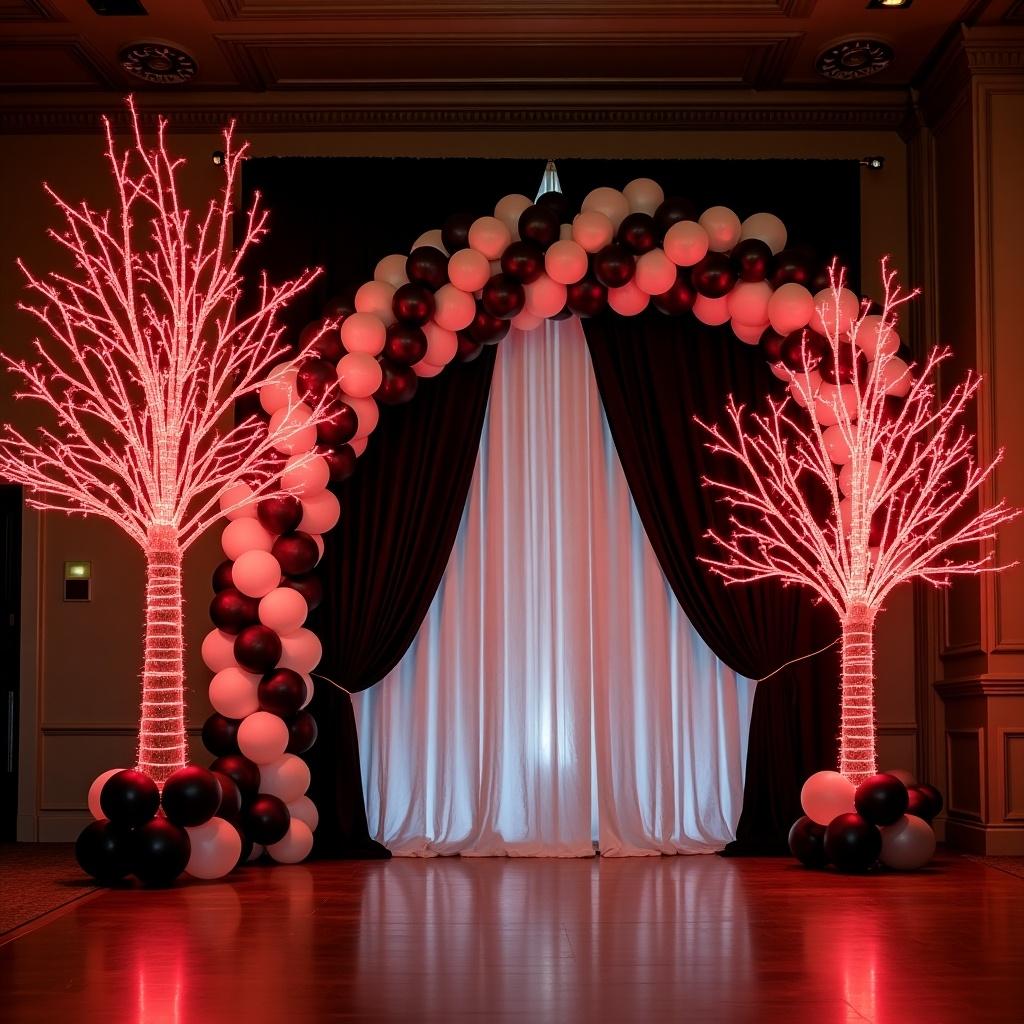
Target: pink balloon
<point>300,651</point>
<point>686,243</point>
<point>526,321</point>
<point>628,300</point>
<point>441,344</point>
<point>320,513</point>
<point>790,308</point>
<point>749,334</point>
<point>643,195</point>
<point>283,610</point>
<point>509,209</point>
<point>305,475</point>
<point>376,298</point>
<point>907,844</point>
<point>655,272</point>
<point>454,309</point>
<point>363,332</point>
<point>218,650</point>
<point>748,302</point>
<point>804,386</point>
<point>711,311</point>
<point>358,445</point>
<point>846,514</point>
<point>835,444</point>
<point>359,374</point>
<point>367,415</point>
<point>829,320</point>
<point>566,262</point>
<point>262,737</point>
<point>592,230</point>
<point>296,845</point>
<point>895,377</point>
<point>214,849</point>
<point>829,398</point>
<point>468,270</point>
<point>425,369</point>
<point>825,795</point>
<point>287,778</point>
<point>489,236</point>
<point>233,693</point>
<point>279,389</point>
<point>308,680</point>
<point>545,297</point>
<point>245,535</point>
<point>305,810</point>
<point>779,370</point>
<point>391,270</point>
<point>872,339</point>
<point>846,475</point>
<point>609,201</point>
<point>94,793</point>
<point>237,502</point>
<point>291,428</point>
<point>256,573</point>
<point>723,228</point>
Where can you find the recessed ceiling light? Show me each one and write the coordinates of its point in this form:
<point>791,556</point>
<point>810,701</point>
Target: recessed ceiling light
<point>896,4</point>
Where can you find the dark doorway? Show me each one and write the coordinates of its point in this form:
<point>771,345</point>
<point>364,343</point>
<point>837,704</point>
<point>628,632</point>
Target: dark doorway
<point>10,651</point>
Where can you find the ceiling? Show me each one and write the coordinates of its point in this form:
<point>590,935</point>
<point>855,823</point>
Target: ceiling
<point>353,46</point>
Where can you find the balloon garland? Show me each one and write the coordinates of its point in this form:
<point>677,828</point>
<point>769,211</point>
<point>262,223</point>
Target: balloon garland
<point>460,288</point>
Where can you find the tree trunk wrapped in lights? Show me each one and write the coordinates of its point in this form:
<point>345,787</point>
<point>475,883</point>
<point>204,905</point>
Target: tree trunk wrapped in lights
<point>142,364</point>
<point>871,483</point>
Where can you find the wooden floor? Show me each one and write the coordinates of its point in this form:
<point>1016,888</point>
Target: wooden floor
<point>674,939</point>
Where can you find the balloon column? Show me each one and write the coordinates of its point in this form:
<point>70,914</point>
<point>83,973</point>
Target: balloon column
<point>885,821</point>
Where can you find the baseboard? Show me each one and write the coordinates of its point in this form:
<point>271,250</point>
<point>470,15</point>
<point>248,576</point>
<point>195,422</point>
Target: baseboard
<point>60,826</point>
<point>985,840</point>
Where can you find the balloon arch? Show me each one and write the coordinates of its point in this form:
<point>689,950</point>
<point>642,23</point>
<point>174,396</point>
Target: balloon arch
<point>460,288</point>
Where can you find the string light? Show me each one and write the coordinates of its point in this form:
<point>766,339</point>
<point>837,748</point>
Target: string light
<point>144,364</point>
<point>913,471</point>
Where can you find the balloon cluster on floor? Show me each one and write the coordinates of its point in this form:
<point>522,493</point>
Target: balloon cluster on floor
<point>885,821</point>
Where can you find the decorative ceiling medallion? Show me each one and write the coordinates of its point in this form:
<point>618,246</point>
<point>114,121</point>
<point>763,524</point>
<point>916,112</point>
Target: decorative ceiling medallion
<point>159,63</point>
<point>853,59</point>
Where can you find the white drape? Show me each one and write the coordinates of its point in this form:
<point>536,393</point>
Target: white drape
<point>556,693</point>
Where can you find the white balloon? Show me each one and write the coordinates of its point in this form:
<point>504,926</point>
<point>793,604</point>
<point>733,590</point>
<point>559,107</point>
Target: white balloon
<point>256,573</point>
<point>509,209</point>
<point>320,513</point>
<point>391,270</point>
<point>215,848</point>
<point>94,793</point>
<point>768,228</point>
<point>300,651</point>
<point>218,650</point>
<point>643,195</point>
<point>295,846</point>
<point>790,308</point>
<point>432,239</point>
<point>826,795</point>
<point>305,810</point>
<point>262,737</point>
<point>291,429</point>
<point>711,311</point>
<point>723,228</point>
<point>233,692</point>
<point>287,778</point>
<point>237,502</point>
<point>283,610</point>
<point>686,243</point>
<point>655,272</point>
<point>907,844</point>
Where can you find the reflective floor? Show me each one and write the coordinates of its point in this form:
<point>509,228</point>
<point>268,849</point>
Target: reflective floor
<point>660,938</point>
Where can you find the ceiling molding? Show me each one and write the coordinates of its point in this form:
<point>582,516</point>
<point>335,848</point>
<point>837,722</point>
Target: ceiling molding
<point>276,112</point>
<point>77,48</point>
<point>28,10</point>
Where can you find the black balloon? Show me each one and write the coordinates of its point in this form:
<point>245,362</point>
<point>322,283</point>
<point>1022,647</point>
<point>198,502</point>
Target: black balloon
<point>222,576</point>
<point>297,552</point>
<point>302,733</point>
<point>587,297</point>
<point>244,773</point>
<point>557,204</point>
<point>103,850</point>
<point>230,797</point>
<point>932,795</point>
<point>129,798</point>
<point>266,819</point>
<point>279,513</point>
<point>159,852</point>
<point>563,314</point>
<point>794,345</point>
<point>281,692</point>
<point>671,211</point>
<point>413,304</point>
<point>852,843</point>
<point>539,224</point>
<point>638,233</point>
<point>231,610</point>
<point>792,266</point>
<point>819,279</point>
<point>191,796</point>
<point>325,344</point>
<point>338,426</point>
<point>920,804</point>
<point>398,384</point>
<point>486,329</point>
<point>247,844</point>
<point>713,276</point>
<point>257,648</point>
<point>807,843</point>
<point>310,586</point>
<point>679,298</point>
<point>469,349</point>
<point>503,296</point>
<point>843,370</point>
<point>427,266</point>
<point>752,259</point>
<point>405,344</point>
<point>340,306</point>
<point>315,378</point>
<point>341,462</point>
<point>455,231</point>
<point>614,265</point>
<point>771,345</point>
<point>524,261</point>
<point>881,799</point>
<point>220,734</point>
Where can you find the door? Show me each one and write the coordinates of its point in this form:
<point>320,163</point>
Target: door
<point>10,651</point>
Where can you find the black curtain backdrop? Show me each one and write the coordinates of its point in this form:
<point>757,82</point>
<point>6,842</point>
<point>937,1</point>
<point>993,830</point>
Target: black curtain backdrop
<point>400,511</point>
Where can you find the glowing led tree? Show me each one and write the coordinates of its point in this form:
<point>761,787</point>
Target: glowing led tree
<point>143,362</point>
<point>904,505</point>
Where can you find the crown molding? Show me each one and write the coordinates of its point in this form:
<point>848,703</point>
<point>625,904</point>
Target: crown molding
<point>703,110</point>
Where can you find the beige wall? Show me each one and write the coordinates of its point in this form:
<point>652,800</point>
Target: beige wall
<point>81,661</point>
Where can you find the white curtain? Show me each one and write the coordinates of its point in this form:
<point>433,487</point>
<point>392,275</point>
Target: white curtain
<point>556,694</point>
